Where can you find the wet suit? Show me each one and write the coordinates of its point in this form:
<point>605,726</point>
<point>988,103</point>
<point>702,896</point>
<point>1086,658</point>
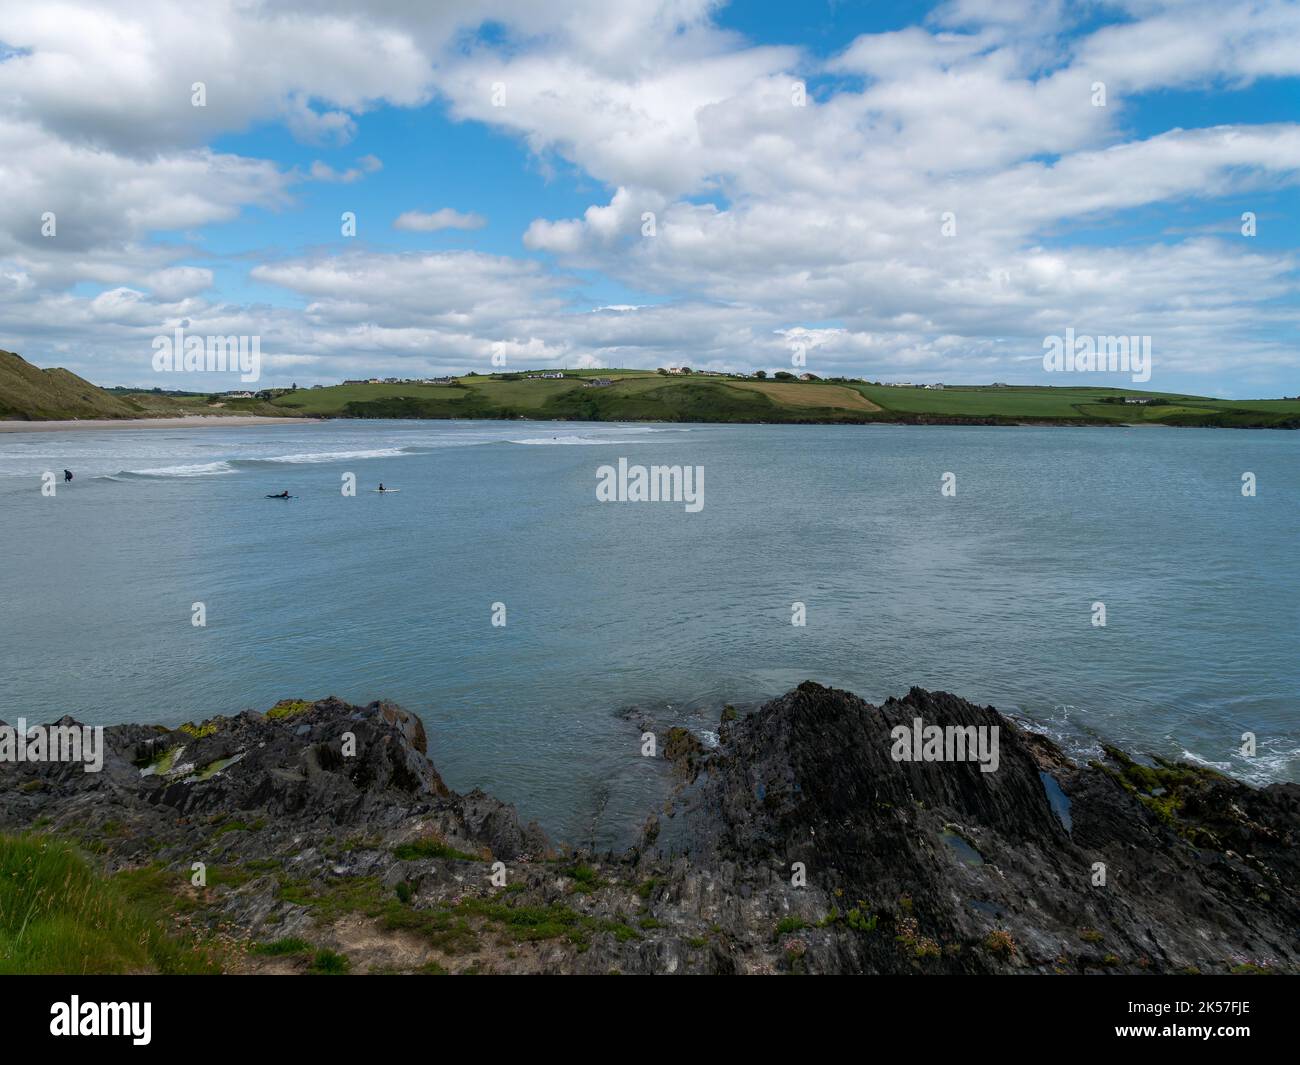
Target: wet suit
<point>67,476</point>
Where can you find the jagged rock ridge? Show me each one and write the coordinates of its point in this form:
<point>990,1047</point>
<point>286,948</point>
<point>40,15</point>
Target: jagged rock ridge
<point>329,821</point>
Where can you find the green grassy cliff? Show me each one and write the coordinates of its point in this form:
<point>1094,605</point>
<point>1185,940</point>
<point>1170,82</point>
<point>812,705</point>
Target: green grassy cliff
<point>30,393</point>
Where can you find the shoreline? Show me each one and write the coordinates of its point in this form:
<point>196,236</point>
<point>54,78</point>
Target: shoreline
<point>330,825</point>
<point>220,421</point>
<point>204,421</point>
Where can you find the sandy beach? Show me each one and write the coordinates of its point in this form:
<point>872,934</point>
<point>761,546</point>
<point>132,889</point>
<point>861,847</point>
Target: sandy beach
<point>198,421</point>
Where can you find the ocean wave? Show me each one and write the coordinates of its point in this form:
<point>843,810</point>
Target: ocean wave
<point>570,440</point>
<point>315,457</point>
<point>202,469</point>
<point>1266,766</point>
<point>225,466</point>
<point>1196,759</point>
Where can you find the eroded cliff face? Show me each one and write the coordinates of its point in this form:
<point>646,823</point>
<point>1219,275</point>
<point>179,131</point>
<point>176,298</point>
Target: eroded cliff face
<point>821,835</point>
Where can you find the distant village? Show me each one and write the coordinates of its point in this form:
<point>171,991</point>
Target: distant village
<point>783,375</point>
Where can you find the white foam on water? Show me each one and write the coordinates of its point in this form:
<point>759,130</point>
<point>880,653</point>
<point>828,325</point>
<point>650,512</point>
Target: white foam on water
<point>1196,759</point>
<point>314,457</point>
<point>1265,767</point>
<point>203,469</point>
<point>570,440</point>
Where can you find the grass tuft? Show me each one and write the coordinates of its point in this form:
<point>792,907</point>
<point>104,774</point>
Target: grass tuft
<point>57,915</point>
<point>329,963</point>
<point>280,948</point>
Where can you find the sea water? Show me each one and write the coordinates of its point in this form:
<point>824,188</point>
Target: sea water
<point>614,613</point>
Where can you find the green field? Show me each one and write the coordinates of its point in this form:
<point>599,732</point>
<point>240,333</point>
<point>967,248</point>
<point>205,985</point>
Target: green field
<point>27,392</point>
<point>641,395</point>
<point>1083,405</point>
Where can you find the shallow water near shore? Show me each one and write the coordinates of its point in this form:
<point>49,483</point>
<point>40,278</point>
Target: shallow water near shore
<point>620,612</point>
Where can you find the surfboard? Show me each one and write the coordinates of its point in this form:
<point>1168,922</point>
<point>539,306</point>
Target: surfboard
<point>385,491</point>
<point>281,497</point>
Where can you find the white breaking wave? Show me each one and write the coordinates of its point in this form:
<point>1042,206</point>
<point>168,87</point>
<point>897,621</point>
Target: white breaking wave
<point>204,469</point>
<point>1264,768</point>
<point>210,469</point>
<point>1192,756</point>
<point>332,456</point>
<point>537,440</point>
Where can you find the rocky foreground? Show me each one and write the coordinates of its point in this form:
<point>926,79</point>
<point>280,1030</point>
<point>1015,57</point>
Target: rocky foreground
<point>798,845</point>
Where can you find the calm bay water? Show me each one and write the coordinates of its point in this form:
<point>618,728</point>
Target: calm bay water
<point>613,606</point>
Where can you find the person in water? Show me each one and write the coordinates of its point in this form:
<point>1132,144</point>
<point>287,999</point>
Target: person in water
<point>381,487</point>
<point>282,495</point>
<point>67,476</point>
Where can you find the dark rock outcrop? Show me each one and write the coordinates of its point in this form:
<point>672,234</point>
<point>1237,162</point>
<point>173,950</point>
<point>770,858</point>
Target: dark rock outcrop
<point>302,771</point>
<point>1163,868</point>
<point>802,843</point>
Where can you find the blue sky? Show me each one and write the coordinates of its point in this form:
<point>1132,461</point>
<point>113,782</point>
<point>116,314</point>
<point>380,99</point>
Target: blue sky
<point>774,224</point>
